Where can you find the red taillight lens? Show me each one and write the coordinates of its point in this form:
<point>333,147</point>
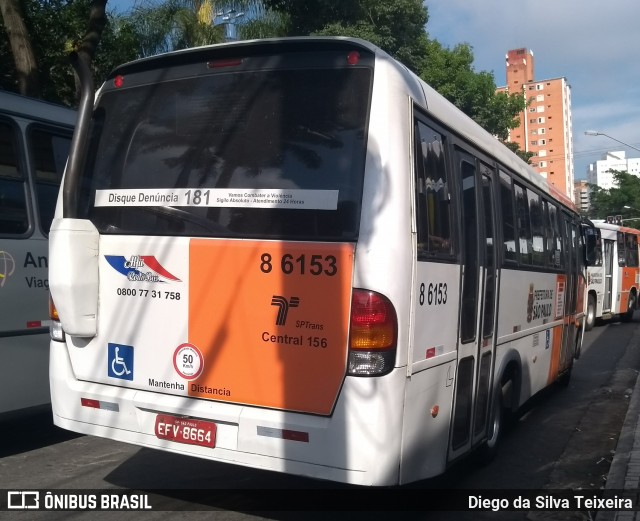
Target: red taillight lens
<point>372,335</point>
<point>353,58</point>
<point>55,327</point>
<point>229,62</point>
<point>118,81</point>
<point>373,321</point>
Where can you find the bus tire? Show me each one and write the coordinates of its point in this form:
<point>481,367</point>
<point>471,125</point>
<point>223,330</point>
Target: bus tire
<point>489,448</point>
<point>590,319</point>
<point>626,317</point>
<point>565,378</point>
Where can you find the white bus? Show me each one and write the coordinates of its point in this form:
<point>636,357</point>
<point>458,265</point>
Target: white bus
<point>34,144</point>
<point>295,255</point>
<point>613,281</point>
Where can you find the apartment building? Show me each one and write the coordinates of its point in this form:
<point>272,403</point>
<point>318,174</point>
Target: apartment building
<point>601,172</point>
<point>546,124</point>
<point>581,195</point>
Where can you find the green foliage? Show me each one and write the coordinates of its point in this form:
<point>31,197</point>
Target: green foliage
<point>179,24</point>
<point>397,26</point>
<point>613,201</point>
<point>266,24</point>
<point>170,26</point>
<point>56,28</point>
<point>152,27</point>
<point>451,72</point>
<point>522,154</point>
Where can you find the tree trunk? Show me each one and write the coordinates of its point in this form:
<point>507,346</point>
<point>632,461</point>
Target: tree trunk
<point>89,44</point>
<point>25,60</point>
<point>97,22</point>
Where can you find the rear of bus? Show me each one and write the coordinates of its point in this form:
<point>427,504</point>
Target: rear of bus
<point>225,283</point>
<point>34,145</point>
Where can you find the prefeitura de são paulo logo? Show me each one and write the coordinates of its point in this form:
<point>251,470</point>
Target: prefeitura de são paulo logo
<point>141,268</point>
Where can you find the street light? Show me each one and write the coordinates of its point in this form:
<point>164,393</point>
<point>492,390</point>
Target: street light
<point>229,20</point>
<point>627,207</point>
<point>596,133</point>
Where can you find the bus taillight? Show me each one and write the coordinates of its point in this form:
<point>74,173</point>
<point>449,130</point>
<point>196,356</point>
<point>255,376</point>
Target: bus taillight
<point>353,58</point>
<point>373,334</point>
<point>55,329</point>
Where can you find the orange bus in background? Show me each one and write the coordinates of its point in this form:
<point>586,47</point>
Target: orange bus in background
<point>613,281</point>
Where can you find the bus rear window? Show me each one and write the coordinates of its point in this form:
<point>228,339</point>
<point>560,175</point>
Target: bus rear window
<point>268,153</point>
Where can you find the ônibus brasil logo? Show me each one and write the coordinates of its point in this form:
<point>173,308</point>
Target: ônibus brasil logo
<point>133,268</point>
<point>7,266</point>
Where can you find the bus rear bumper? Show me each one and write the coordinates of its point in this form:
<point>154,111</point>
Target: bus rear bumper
<point>361,448</point>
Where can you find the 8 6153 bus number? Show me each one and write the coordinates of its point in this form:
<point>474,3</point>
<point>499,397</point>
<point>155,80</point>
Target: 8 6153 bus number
<point>289,264</point>
<point>434,294</point>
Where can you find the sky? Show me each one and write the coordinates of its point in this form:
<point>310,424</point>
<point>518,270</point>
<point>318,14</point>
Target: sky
<point>595,45</point>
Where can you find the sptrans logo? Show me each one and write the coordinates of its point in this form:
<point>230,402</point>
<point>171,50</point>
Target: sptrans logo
<point>140,268</point>
<point>283,306</point>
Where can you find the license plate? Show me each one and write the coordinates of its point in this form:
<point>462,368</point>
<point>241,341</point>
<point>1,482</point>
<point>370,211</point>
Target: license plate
<point>186,430</point>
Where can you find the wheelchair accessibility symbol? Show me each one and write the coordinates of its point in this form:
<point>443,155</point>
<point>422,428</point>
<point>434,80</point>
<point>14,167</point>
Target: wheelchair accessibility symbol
<point>120,361</point>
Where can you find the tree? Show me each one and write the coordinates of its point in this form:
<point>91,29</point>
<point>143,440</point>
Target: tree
<point>24,59</point>
<point>397,26</point>
<point>180,24</point>
<point>58,27</point>
<point>515,148</point>
<point>451,72</point>
<point>605,202</point>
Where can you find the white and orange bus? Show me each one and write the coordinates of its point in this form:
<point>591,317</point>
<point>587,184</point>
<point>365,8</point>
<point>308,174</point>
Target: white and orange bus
<point>614,279</point>
<point>34,144</point>
<point>295,255</point>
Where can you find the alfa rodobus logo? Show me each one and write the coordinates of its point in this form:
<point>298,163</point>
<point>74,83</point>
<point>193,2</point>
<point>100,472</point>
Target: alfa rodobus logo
<point>283,306</point>
<point>141,268</point>
<point>7,267</point>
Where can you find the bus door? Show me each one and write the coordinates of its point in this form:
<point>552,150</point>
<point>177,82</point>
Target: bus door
<point>476,342</point>
<point>607,301</point>
<point>571,292</point>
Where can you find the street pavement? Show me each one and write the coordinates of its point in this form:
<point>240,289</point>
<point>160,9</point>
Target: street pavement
<point>624,473</point>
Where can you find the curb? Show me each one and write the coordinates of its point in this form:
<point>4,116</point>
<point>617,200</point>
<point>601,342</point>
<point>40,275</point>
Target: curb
<point>624,472</point>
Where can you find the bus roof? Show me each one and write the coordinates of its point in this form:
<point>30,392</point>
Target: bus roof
<point>603,225</point>
<point>36,109</point>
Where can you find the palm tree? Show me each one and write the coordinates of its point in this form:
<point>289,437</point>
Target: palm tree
<point>179,24</point>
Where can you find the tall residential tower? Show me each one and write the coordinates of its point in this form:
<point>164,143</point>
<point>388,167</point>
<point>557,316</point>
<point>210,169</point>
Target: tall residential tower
<point>545,126</point>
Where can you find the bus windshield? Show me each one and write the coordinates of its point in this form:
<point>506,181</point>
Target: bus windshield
<point>254,153</point>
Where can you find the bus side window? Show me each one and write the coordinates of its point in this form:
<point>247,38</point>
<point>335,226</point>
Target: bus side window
<point>598,261</point>
<point>524,225</point>
<point>433,199</point>
<point>14,219</point>
<point>49,150</point>
<point>632,250</point>
<point>622,255</point>
<point>555,245</point>
<point>510,245</point>
<point>537,228</point>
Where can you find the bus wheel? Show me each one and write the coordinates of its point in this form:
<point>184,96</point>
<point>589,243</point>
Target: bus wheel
<point>591,313</point>
<point>565,377</point>
<point>488,450</point>
<point>626,317</point>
